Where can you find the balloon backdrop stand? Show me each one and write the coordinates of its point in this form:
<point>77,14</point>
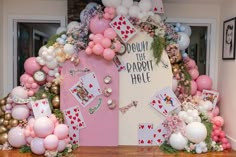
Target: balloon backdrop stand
<point>120,76</point>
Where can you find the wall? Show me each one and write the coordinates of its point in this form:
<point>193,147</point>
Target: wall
<point>227,75</point>
<point>29,8</point>
<point>1,48</point>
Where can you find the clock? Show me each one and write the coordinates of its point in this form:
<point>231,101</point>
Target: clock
<point>39,76</point>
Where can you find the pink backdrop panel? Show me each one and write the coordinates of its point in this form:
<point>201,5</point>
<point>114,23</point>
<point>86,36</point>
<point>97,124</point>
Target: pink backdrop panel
<point>102,126</point>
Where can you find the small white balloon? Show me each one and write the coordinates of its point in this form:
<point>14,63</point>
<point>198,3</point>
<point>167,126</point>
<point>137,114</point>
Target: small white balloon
<point>49,58</point>
<point>51,73</point>
<point>61,30</point>
<point>181,113</point>
<point>134,11</point>
<point>52,65</point>
<point>127,3</point>
<point>122,10</point>
<point>72,24</point>
<point>57,75</point>
<point>42,62</point>
<point>198,150</point>
<point>156,18</point>
<point>178,141</point>
<point>43,48</point>
<point>145,5</point>
<point>69,49</point>
<point>183,40</point>
<point>188,30</point>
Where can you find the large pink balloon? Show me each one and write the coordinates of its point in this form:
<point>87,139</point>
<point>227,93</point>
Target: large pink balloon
<point>31,65</point>
<point>16,137</point>
<point>61,131</point>
<point>194,73</point>
<point>37,146</point>
<point>51,142</point>
<point>193,87</point>
<point>20,112</point>
<point>204,82</point>
<point>98,25</point>
<point>43,127</point>
<point>61,145</point>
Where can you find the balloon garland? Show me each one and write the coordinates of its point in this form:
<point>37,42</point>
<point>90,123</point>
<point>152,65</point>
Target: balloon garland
<point>196,128</point>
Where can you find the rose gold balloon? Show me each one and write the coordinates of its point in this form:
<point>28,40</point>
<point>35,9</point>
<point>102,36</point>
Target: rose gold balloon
<point>14,122</point>
<point>55,89</point>
<point>7,116</point>
<point>44,95</point>
<point>3,102</point>
<point>56,102</point>
<point>2,129</point>
<point>5,122</point>
<point>3,138</point>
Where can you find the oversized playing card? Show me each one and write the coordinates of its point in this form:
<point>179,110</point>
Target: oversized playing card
<point>119,63</point>
<point>159,134</point>
<point>74,117</point>
<point>156,103</point>
<point>211,96</point>
<point>41,108</point>
<point>169,99</point>
<point>82,93</point>
<point>145,134</point>
<point>157,6</point>
<point>90,82</point>
<point>123,28</point>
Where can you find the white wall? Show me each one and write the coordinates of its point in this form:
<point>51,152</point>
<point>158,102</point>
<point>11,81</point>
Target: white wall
<point>227,75</point>
<point>28,8</point>
<point>1,48</point>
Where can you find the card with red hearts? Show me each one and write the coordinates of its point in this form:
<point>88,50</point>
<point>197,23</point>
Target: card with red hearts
<point>157,6</point>
<point>159,134</point>
<point>123,28</point>
<point>74,117</point>
<point>211,96</point>
<point>41,108</point>
<point>119,63</point>
<point>156,103</point>
<point>145,134</point>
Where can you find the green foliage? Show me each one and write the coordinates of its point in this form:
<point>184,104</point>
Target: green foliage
<point>158,46</point>
<point>166,148</point>
<point>59,115</point>
<point>67,151</point>
<point>25,149</point>
<point>209,127</point>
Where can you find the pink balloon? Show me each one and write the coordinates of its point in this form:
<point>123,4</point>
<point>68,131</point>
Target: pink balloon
<point>24,77</point>
<point>193,87</point>
<point>215,138</point>
<point>224,140</point>
<point>228,146</point>
<point>61,145</point>
<point>216,132</point>
<point>106,16</point>
<point>98,38</point>
<point>91,44</point>
<point>222,134</point>
<point>43,127</point>
<point>19,92</point>
<point>67,140</point>
<point>88,50</point>
<point>31,122</point>
<point>216,111</point>
<point>108,54</point>
<point>91,36</point>
<point>29,139</point>
<point>204,82</point>
<point>20,112</point>
<point>98,49</point>
<point>198,93</point>
<point>106,42</point>
<point>111,10</point>
<point>37,146</point>
<point>194,73</point>
<point>98,25</point>
<point>31,65</point>
<point>51,142</point>
<point>45,69</point>
<point>27,132</point>
<point>30,80</point>
<point>117,46</point>
<point>27,85</point>
<point>110,33</point>
<point>50,78</point>
<point>190,64</point>
<point>220,119</point>
<point>61,131</point>
<point>16,137</point>
<point>30,93</point>
<point>34,85</point>
<point>53,118</point>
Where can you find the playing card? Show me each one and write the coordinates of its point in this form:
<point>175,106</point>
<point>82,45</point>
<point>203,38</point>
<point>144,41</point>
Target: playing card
<point>145,134</point>
<point>156,103</point>
<point>211,96</point>
<point>119,63</point>
<point>82,93</point>
<point>159,134</point>
<point>90,82</point>
<point>169,99</point>
<point>41,108</point>
<point>74,117</point>
<point>74,134</point>
<point>123,28</point>
<point>157,6</point>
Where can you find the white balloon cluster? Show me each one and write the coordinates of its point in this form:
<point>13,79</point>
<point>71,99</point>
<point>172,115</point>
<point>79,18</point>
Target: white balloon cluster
<point>201,148</point>
<point>140,10</point>
<point>205,106</point>
<point>62,39</point>
<point>54,73</point>
<point>189,116</point>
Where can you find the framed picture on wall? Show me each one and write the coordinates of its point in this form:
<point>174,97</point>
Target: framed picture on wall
<point>229,39</point>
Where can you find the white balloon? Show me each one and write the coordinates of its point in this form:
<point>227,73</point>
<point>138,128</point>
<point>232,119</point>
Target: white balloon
<point>51,73</point>
<point>20,112</point>
<point>135,3</point>
<point>198,150</point>
<point>57,75</point>
<point>156,18</point>
<point>49,58</point>
<point>37,146</point>
<point>60,30</point>
<point>16,137</point>
<point>72,24</point>
<point>91,5</point>
<point>183,40</point>
<point>145,5</point>
<point>42,62</point>
<point>121,10</point>
<point>52,65</point>
<point>178,141</point>
<point>82,16</point>
<point>208,104</point>
<point>127,3</point>
<point>134,11</point>
<point>111,3</point>
<point>43,48</point>
<point>181,114</point>
<point>187,30</point>
<point>196,132</point>
<point>69,49</point>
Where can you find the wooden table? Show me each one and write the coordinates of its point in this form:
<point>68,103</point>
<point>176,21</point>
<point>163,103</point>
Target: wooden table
<point>122,151</point>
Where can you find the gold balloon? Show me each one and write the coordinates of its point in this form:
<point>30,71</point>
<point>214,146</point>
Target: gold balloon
<point>2,129</point>
<point>14,122</point>
<point>55,89</point>
<point>1,113</point>
<point>5,122</point>
<point>44,95</point>
<point>9,127</point>
<point>3,138</point>
<point>1,121</point>
<point>56,102</point>
<point>7,116</point>
<point>3,102</point>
